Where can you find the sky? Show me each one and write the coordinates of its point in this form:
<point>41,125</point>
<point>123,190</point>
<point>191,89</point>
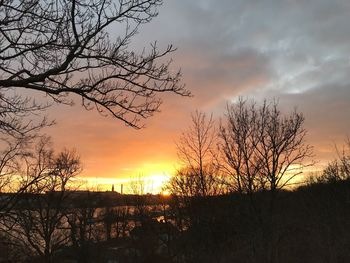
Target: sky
<point>295,51</point>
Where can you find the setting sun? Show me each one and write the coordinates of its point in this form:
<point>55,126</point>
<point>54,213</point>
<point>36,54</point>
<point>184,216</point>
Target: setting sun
<point>146,131</point>
<point>153,177</point>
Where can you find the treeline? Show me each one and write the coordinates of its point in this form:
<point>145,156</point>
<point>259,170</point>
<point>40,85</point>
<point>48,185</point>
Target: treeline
<point>51,222</point>
<point>235,199</point>
<point>254,147</point>
<point>44,217</point>
<point>308,224</point>
<point>238,197</point>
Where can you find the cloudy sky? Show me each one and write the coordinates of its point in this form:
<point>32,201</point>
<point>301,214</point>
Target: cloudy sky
<point>293,50</point>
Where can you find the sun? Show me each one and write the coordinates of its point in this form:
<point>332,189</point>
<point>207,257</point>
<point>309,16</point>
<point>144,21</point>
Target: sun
<point>151,184</point>
<point>158,182</point>
<point>165,193</point>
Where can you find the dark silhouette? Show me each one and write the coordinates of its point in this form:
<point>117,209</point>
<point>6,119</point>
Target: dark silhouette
<point>37,221</point>
<point>262,148</point>
<point>195,150</point>
<point>208,217</point>
<point>64,48</point>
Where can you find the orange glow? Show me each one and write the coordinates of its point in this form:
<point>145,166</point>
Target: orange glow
<point>153,177</point>
<point>113,154</point>
<point>165,193</point>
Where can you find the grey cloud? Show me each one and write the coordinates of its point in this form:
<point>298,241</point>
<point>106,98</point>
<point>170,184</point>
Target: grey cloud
<point>298,51</point>
<point>297,38</point>
<point>326,110</point>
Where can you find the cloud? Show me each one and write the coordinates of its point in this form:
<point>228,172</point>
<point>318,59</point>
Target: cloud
<point>298,51</point>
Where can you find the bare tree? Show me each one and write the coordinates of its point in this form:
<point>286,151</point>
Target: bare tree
<point>116,221</point>
<point>19,127</point>
<point>338,169</point>
<point>195,151</point>
<point>240,136</point>
<point>263,149</point>
<point>284,150</point>
<point>15,150</point>
<point>140,188</point>
<point>38,220</point>
<point>66,47</point>
<point>83,224</point>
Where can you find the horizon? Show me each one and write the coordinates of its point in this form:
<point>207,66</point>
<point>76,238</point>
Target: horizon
<point>146,131</point>
<point>255,50</point>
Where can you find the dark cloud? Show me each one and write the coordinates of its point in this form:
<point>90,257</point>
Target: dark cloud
<point>326,110</point>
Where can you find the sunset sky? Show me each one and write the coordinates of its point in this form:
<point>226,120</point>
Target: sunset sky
<point>296,51</point>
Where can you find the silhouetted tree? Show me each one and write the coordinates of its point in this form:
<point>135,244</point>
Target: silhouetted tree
<point>83,226</point>
<point>140,188</point>
<point>16,143</point>
<point>38,220</point>
<point>262,148</point>
<point>198,176</point>
<point>195,186</point>
<point>240,135</point>
<point>116,221</point>
<point>63,48</point>
<point>339,169</point>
